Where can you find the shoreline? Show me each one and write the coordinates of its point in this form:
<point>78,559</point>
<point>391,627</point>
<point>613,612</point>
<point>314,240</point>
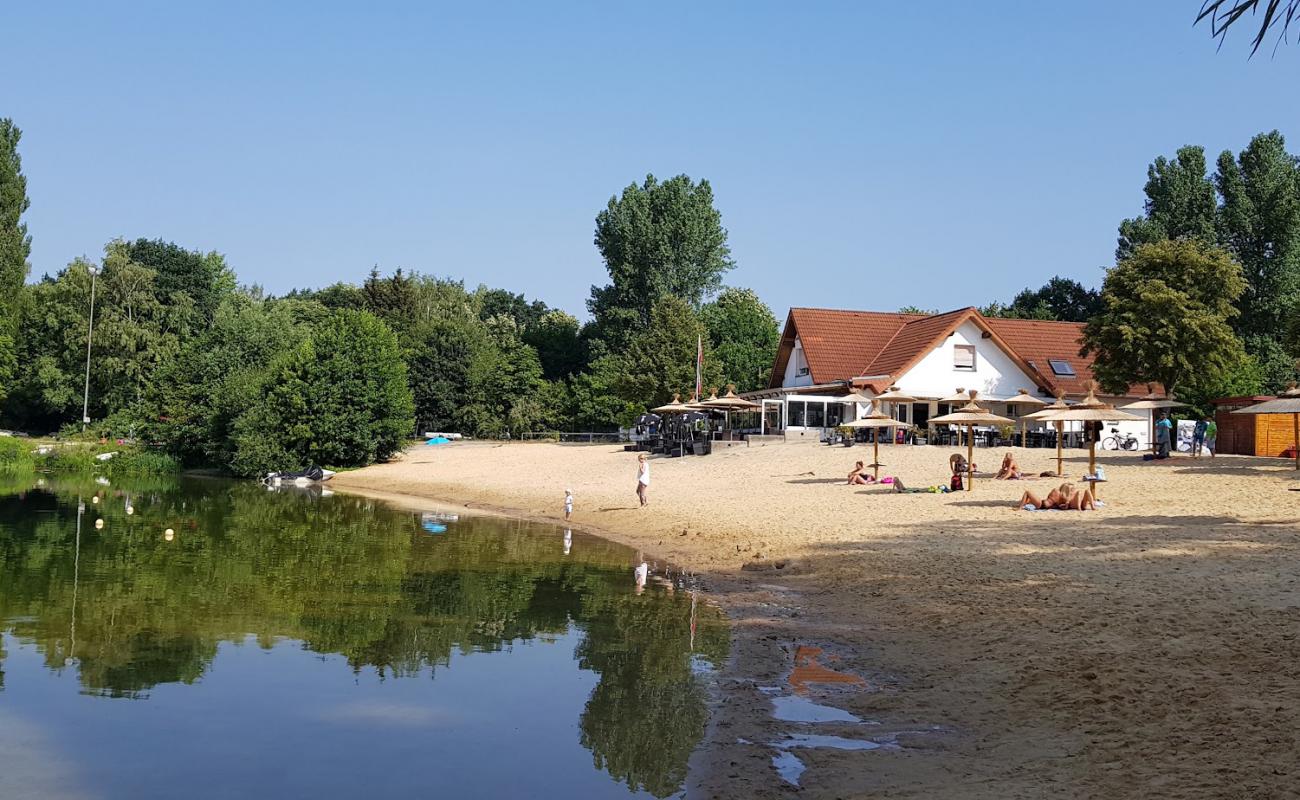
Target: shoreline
<point>1018,654</point>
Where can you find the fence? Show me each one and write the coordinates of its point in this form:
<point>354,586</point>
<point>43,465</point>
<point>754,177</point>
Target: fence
<point>584,437</point>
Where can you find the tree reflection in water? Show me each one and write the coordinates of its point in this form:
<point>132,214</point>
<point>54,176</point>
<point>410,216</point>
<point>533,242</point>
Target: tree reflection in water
<point>350,576</point>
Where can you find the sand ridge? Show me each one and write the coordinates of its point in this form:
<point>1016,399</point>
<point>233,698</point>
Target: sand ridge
<point>1148,649</point>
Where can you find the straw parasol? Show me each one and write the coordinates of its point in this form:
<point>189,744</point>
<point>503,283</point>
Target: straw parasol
<point>971,415</point>
<point>1286,403</point>
<point>877,421</point>
<point>675,407</point>
<point>1090,410</point>
<point>1024,398</point>
<point>1150,402</point>
<point>894,395</point>
<point>962,397</point>
<point>1045,414</point>
<point>730,401</point>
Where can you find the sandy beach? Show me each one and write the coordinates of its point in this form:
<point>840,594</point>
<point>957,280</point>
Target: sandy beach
<point>1147,649</point>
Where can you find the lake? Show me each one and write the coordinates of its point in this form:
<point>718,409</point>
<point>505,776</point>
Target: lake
<point>299,644</point>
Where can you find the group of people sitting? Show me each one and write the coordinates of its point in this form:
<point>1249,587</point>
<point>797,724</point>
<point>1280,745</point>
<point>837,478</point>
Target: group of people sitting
<point>1063,498</point>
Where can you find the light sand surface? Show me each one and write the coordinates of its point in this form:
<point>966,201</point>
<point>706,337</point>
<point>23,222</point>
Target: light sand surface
<point>1148,649</point>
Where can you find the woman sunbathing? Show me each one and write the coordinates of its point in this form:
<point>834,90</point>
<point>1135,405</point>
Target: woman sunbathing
<point>859,477</point>
<point>1010,470</point>
<point>1057,498</point>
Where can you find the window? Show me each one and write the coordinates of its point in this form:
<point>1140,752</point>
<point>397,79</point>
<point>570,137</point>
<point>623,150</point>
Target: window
<point>794,413</point>
<point>1061,367</point>
<point>963,356</point>
<point>802,371</point>
<point>816,415</point>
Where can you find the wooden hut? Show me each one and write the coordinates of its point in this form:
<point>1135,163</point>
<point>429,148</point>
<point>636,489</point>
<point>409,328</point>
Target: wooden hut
<point>1252,434</point>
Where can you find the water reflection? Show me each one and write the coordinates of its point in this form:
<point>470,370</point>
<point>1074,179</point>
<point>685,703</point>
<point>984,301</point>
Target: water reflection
<point>96,586</point>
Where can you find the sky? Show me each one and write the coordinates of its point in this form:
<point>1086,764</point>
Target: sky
<point>863,155</point>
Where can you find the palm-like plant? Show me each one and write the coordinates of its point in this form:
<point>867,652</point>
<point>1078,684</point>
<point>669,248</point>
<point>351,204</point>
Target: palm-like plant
<point>1223,14</point>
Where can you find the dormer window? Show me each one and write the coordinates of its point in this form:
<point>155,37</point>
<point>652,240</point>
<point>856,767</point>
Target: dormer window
<point>963,357</point>
<point>1061,367</point>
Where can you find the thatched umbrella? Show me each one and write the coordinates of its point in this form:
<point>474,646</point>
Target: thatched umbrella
<point>961,398</point>
<point>1024,398</point>
<point>675,407</point>
<point>1286,403</point>
<point>1150,402</point>
<point>971,415</point>
<point>893,396</point>
<point>728,403</point>
<point>1090,410</point>
<point>877,421</point>
<point>1059,405</point>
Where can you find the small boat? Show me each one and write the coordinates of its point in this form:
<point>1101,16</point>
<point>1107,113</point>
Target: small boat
<point>307,477</point>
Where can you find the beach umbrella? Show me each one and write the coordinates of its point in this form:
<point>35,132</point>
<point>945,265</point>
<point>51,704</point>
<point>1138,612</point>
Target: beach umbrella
<point>1286,403</point>
<point>877,421</point>
<point>962,397</point>
<point>970,415</point>
<point>1059,405</point>
<point>1024,398</point>
<point>1150,402</point>
<point>894,396</point>
<point>729,402</point>
<point>1090,410</point>
<point>675,407</point>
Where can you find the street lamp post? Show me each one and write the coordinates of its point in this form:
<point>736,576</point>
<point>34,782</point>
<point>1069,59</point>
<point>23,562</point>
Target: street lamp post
<point>85,399</point>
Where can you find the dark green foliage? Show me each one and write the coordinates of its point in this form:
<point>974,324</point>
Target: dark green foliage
<point>656,239</point>
<point>203,278</point>
<point>1058,299</point>
<point>1166,318</point>
<point>744,335</point>
<point>661,360</point>
<point>1256,217</point>
<point>339,398</point>
<point>441,354</point>
<point>1265,15</point>
<point>559,346</point>
<point>15,246</point>
<point>501,303</point>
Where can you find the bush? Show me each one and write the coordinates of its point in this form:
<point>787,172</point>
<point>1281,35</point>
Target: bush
<point>15,453</point>
<point>141,462</point>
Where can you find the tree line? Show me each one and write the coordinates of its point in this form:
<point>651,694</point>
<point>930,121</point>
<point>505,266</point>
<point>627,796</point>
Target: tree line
<point>225,375</point>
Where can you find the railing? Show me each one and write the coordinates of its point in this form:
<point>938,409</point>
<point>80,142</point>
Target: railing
<point>584,437</point>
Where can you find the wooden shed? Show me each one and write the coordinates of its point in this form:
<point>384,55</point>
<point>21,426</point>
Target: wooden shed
<point>1252,434</point>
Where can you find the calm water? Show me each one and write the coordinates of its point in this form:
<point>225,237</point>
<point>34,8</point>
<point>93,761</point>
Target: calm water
<point>291,645</point>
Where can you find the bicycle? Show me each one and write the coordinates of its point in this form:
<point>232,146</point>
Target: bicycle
<point>1117,442</point>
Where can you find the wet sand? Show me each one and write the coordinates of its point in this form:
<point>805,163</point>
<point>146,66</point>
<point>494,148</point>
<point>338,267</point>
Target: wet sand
<point>1148,649</point>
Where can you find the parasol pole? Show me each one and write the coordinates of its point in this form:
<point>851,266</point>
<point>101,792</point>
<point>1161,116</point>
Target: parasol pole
<point>970,457</point>
<point>1295,432</point>
<point>1060,434</point>
<point>875,454</point>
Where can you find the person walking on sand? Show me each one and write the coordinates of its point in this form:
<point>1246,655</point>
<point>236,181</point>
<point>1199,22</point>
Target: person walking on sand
<point>568,504</point>
<point>1198,437</point>
<point>642,478</point>
<point>1211,433</point>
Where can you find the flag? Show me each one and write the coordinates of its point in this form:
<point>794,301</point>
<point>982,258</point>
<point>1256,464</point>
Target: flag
<point>699,367</point>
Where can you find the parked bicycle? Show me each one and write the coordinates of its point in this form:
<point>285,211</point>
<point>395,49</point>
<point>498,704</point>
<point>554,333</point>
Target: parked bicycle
<point>1117,441</point>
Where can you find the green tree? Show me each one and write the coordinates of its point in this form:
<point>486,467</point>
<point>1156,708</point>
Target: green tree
<point>203,277</point>
<point>594,400</point>
<point>1180,203</point>
<point>1059,299</point>
<point>744,335</point>
<point>1166,317</point>
<point>656,239</point>
<point>440,360</point>
<point>339,398</point>
<point>503,378</point>
<point>1270,15</point>
<point>660,362</point>
<point>15,246</point>
<point>559,346</point>
<point>1259,223</point>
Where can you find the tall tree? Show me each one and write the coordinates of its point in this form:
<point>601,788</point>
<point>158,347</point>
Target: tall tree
<point>555,336</point>
<point>1060,299</point>
<point>202,277</point>
<point>744,335</point>
<point>1180,203</point>
<point>1260,224</point>
<point>1166,314</point>
<point>15,246</point>
<point>660,362</point>
<point>656,239</point>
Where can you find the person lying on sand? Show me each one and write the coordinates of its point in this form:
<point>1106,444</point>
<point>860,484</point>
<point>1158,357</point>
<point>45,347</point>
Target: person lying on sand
<point>1064,497</point>
<point>1010,470</point>
<point>899,488</point>
<point>859,477</point>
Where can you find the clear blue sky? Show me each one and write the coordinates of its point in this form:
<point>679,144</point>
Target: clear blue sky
<point>953,152</point>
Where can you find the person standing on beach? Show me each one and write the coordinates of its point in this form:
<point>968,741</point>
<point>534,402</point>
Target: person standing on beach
<point>1198,437</point>
<point>1163,429</point>
<point>1211,432</point>
<point>568,504</point>
<point>642,478</point>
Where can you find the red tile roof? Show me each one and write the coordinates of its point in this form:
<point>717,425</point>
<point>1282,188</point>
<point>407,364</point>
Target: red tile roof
<point>842,345</point>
